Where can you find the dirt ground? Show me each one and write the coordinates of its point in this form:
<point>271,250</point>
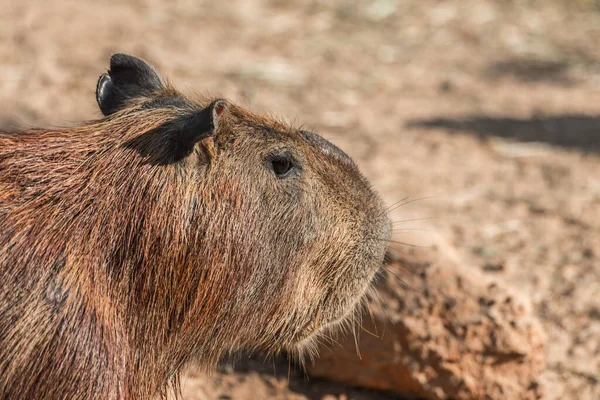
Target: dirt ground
<point>490,110</point>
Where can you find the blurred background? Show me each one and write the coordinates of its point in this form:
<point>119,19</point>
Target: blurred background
<point>486,112</point>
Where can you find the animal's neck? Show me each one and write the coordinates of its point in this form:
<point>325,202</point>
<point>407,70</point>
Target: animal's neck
<point>91,301</point>
<point>77,336</point>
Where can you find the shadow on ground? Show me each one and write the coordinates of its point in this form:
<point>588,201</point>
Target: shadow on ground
<point>298,381</point>
<point>574,131</point>
<point>531,71</point>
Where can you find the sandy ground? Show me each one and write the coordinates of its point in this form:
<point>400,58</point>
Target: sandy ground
<point>489,109</point>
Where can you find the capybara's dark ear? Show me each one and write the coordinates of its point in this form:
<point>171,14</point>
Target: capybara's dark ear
<point>128,78</point>
<point>198,126</point>
<point>176,138</point>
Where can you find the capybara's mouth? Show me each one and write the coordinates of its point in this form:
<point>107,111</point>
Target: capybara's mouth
<point>323,324</point>
<point>307,331</point>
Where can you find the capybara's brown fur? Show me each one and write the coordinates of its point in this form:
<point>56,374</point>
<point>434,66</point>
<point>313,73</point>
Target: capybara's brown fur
<point>169,230</point>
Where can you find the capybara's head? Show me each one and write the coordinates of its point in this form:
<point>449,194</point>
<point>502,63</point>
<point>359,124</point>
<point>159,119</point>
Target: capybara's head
<point>278,233</point>
<point>185,227</point>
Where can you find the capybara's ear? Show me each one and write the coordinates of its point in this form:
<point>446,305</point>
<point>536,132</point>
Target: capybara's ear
<point>198,126</point>
<point>128,78</point>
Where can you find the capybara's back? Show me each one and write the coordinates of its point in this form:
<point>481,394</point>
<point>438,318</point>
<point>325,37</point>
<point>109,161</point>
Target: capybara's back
<point>168,230</point>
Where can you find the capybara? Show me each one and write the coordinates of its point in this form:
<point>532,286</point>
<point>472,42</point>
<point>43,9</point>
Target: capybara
<point>172,229</point>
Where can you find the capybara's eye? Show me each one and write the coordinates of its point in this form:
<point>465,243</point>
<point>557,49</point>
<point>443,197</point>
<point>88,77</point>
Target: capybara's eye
<point>282,165</point>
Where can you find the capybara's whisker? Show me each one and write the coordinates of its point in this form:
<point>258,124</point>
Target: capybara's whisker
<point>401,280</point>
<point>411,220</point>
<point>395,204</point>
<point>399,242</point>
<point>400,230</point>
<point>404,202</point>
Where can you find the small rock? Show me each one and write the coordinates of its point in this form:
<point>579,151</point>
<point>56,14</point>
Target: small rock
<point>445,86</point>
<point>489,267</point>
